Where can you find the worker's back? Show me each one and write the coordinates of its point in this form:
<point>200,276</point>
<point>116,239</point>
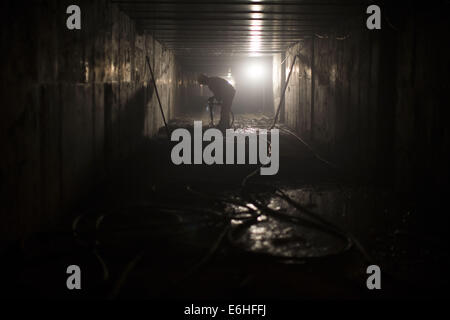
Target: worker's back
<point>220,87</point>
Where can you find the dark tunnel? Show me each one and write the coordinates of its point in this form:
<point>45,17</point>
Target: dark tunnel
<point>320,170</point>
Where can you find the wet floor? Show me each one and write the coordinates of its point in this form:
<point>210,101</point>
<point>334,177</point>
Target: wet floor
<point>156,230</point>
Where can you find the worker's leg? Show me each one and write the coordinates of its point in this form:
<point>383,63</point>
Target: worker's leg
<point>225,114</point>
<point>225,111</point>
<point>211,113</point>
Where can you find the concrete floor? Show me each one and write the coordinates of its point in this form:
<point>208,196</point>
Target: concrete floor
<point>155,230</point>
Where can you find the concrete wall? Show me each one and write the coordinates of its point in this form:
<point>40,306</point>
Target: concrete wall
<point>278,81</point>
<point>73,103</point>
<point>374,101</point>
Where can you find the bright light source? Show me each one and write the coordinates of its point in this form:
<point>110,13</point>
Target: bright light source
<point>255,45</point>
<point>230,78</point>
<point>255,27</point>
<point>256,8</point>
<point>255,70</point>
<point>255,34</point>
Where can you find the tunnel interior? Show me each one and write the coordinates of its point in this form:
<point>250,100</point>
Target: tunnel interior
<point>87,170</point>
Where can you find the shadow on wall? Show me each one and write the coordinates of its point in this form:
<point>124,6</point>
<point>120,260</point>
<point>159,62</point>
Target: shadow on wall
<point>64,141</point>
<point>74,104</point>
<point>124,124</point>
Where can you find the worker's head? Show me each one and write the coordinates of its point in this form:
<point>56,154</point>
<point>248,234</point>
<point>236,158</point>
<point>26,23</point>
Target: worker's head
<point>202,79</point>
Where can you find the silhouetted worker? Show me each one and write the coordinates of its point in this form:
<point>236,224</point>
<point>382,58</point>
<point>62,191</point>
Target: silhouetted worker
<point>224,92</point>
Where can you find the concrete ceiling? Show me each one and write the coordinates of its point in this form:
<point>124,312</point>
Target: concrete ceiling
<point>230,28</point>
